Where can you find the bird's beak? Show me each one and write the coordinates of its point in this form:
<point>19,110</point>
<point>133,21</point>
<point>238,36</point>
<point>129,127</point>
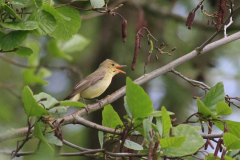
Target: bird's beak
<point>120,66</point>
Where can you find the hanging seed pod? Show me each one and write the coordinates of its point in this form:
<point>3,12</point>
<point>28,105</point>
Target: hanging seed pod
<point>210,143</point>
<point>206,145</point>
<point>217,148</point>
<point>124,30</point>
<point>150,150</point>
<point>219,15</point>
<point>190,19</point>
<point>155,150</point>
<point>223,8</point>
<point>192,16</point>
<point>135,52</point>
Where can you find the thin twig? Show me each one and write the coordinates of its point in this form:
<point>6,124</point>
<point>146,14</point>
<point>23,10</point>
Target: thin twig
<point>14,62</point>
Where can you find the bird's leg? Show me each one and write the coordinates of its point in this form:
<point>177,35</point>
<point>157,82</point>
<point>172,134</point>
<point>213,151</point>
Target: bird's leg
<point>85,104</point>
<point>99,102</point>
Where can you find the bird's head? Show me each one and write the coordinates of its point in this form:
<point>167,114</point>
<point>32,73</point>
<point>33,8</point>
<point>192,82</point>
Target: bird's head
<point>112,66</point>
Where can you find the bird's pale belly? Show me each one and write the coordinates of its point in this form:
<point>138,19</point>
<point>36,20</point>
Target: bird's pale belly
<point>96,90</point>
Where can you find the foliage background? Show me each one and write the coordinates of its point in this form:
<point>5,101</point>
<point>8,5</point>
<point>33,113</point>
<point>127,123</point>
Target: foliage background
<point>165,20</point>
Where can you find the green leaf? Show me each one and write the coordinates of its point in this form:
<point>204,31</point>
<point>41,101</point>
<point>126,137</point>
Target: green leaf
<point>55,51</point>
<point>31,107</point>
<point>228,158</point>
<point>34,58</point>
<point>53,11</point>
<point>58,110</point>
<point>159,114</point>
<point>147,127</point>
<point>211,157</point>
<point>1,35</point>
<point>37,3</point>
<point>66,29</point>
<point>127,108</point>
<point>11,11</point>
<point>30,78</point>
<point>138,125</point>
<point>70,103</point>
<point>97,3</point>
<point>45,99</point>
<point>45,21</point>
<point>19,2</point>
<point>159,126</point>
<point>231,141</point>
<point>172,142</point>
<point>23,52</point>
<point>138,101</point>
<point>215,95</point>
<point>110,117</point>
<point>38,133</point>
<point>222,108</point>
<point>233,127</point>
<point>204,110</point>
<point>44,72</point>
<point>132,145</point>
<point>22,25</point>
<point>50,138</point>
<point>13,40</point>
<point>166,122</point>
<point>50,2</point>
<point>232,153</point>
<point>76,44</point>
<point>100,137</point>
<point>193,142</point>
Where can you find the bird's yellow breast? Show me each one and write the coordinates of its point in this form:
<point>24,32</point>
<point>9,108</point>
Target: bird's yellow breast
<point>98,88</point>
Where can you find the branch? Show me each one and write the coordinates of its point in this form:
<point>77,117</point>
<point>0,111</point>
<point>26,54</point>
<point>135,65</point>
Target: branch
<point>2,51</point>
<point>205,87</point>
<point>69,119</point>
<point>14,62</point>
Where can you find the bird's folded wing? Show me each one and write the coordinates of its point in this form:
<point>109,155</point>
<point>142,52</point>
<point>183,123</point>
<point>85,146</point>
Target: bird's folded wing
<point>85,83</point>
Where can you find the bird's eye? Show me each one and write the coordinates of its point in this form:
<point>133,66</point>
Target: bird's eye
<point>112,64</point>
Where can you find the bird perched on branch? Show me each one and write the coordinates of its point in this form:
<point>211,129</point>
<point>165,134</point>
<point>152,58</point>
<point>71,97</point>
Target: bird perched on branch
<point>96,83</point>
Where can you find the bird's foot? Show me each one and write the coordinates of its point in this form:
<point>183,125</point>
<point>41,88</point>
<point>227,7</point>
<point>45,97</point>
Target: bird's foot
<point>87,109</point>
<point>99,102</point>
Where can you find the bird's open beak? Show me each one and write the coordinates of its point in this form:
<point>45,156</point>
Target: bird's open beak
<point>121,67</point>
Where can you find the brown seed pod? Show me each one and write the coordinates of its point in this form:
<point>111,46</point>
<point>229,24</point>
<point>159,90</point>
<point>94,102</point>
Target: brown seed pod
<point>223,8</point>
<point>150,150</point>
<point>190,15</point>
<point>191,20</point>
<point>155,150</point>
<point>210,143</point>
<point>217,148</point>
<point>219,15</point>
<point>206,145</point>
<point>135,52</point>
<point>124,30</point>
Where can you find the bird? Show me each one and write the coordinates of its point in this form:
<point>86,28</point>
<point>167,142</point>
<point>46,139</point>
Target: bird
<point>96,83</point>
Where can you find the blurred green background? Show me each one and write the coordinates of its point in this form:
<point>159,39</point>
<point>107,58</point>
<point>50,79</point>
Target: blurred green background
<point>100,37</point>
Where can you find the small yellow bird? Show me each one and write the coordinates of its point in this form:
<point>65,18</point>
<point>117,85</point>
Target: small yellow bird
<point>96,83</point>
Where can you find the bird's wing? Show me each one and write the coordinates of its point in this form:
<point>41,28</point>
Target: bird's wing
<point>85,83</point>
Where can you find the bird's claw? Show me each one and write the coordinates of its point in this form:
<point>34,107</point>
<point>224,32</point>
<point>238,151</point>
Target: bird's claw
<point>99,102</point>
